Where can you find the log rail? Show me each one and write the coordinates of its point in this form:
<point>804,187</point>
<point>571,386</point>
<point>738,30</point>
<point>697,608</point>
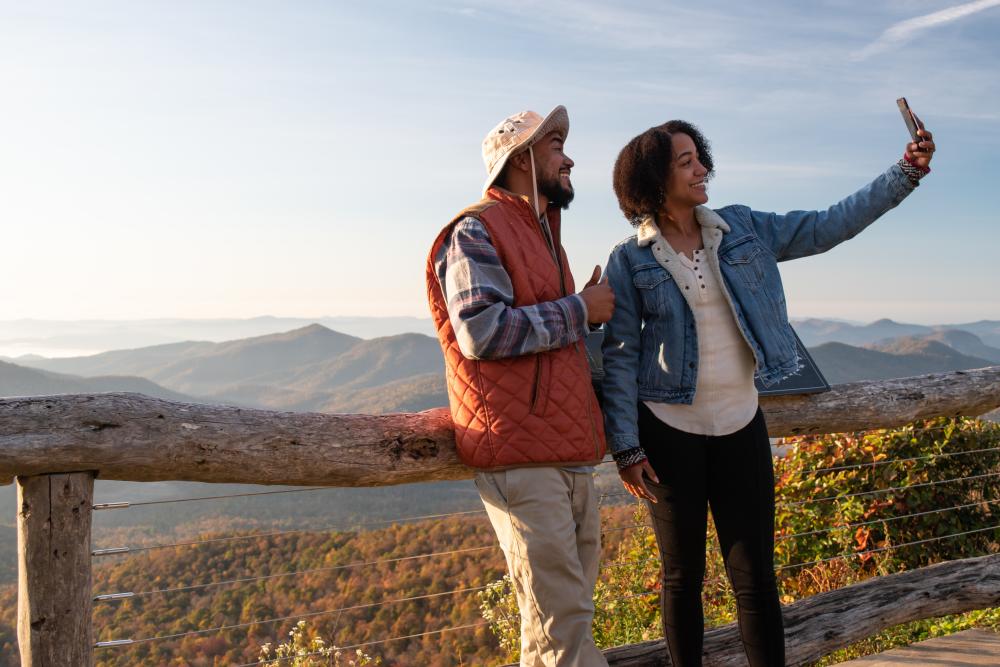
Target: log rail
<point>136,438</point>
<point>56,445</point>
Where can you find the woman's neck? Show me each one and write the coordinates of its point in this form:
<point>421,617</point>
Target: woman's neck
<point>677,220</point>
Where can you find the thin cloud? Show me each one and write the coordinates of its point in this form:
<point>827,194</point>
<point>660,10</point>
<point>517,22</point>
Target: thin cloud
<point>904,31</point>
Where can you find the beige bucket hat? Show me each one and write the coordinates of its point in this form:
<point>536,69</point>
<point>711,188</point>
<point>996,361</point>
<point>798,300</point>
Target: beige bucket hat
<point>516,133</point>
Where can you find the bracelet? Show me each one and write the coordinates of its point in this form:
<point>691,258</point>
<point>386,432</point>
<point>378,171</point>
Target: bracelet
<point>912,171</point>
<point>629,458</point>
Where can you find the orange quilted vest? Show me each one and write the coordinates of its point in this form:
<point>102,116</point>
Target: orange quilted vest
<point>535,409</point>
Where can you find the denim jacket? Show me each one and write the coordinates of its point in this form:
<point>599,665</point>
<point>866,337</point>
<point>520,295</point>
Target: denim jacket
<point>650,344</point>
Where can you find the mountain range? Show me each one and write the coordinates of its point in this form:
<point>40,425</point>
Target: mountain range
<point>18,380</point>
<point>846,363</point>
<point>308,369</point>
<point>79,337</point>
<point>315,368</point>
<point>817,331</point>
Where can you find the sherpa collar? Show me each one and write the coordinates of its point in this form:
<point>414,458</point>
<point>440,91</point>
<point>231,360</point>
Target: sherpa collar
<point>706,217</point>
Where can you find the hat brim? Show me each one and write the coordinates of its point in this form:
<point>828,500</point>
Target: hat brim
<point>558,119</point>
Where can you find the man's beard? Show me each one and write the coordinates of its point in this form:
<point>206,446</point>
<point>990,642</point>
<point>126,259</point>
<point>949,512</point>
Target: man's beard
<point>557,194</point>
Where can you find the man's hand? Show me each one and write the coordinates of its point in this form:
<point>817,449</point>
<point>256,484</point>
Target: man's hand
<point>599,297</point>
<point>920,154</point>
<point>635,484</point>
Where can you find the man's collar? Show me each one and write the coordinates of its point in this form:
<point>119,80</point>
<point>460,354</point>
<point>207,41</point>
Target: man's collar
<point>708,219</point>
<point>524,198</point>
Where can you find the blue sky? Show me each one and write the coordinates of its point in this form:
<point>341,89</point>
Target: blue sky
<point>233,159</point>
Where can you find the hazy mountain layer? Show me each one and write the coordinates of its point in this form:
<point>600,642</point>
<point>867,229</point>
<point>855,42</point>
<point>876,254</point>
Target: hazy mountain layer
<point>19,381</point>
<point>962,341</point>
<point>69,337</point>
<point>817,331</point>
<point>845,363</point>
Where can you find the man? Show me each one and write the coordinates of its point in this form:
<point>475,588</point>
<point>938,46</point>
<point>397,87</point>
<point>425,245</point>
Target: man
<point>512,328</point>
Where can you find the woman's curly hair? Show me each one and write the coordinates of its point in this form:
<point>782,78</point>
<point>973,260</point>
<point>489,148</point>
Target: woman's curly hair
<point>643,168</point>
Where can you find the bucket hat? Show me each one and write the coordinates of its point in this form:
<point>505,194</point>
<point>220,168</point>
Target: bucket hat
<point>516,133</point>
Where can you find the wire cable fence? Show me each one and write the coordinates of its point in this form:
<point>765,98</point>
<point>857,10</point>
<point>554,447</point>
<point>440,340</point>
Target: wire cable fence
<point>894,489</point>
<point>892,547</point>
<point>494,547</point>
<point>168,501</point>
<point>871,522</point>
<point>294,531</point>
<point>605,531</point>
<point>282,619</point>
<point>331,568</point>
<point>606,567</point>
<point>357,525</point>
<point>910,459</point>
<point>616,599</point>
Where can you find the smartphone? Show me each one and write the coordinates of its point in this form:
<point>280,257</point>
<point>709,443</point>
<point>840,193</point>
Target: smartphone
<point>912,122</point>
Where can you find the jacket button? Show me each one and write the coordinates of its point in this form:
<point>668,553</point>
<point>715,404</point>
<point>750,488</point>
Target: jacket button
<point>691,364</point>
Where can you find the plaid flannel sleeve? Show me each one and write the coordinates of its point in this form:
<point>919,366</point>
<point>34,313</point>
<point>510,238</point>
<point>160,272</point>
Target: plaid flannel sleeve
<point>480,300</point>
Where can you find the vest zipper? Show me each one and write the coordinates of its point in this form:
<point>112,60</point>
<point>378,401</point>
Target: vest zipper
<point>557,258</point>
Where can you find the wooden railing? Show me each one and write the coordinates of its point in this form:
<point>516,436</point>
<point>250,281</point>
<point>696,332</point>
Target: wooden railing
<point>55,446</point>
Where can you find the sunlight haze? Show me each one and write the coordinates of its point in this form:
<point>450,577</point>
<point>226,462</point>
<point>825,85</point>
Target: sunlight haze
<point>235,159</point>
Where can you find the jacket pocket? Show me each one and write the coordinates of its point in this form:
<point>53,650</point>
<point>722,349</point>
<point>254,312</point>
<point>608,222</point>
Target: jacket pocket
<point>744,257</point>
<point>492,486</point>
<point>651,281</point>
<point>539,391</point>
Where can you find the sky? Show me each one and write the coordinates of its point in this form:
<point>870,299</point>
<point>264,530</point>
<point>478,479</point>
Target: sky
<point>218,159</point>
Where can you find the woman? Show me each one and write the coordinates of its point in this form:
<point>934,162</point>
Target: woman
<point>699,310</point>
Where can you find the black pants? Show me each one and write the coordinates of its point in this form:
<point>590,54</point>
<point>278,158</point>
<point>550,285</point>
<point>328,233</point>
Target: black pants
<point>733,474</point>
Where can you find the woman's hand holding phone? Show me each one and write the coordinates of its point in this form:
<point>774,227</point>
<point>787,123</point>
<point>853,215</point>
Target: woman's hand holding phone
<point>920,153</point>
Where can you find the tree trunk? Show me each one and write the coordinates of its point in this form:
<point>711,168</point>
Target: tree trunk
<point>54,579</point>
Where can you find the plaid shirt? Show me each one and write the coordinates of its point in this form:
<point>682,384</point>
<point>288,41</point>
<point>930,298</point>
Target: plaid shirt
<point>480,300</point>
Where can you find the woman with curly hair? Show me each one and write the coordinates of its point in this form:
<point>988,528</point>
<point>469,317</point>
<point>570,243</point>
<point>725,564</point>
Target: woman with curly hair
<point>699,311</point>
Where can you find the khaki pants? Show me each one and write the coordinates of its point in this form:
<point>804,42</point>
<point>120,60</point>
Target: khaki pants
<point>548,526</point>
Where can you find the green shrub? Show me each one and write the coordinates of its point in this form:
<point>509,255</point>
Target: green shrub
<point>305,649</point>
<point>919,457</point>
<point>811,527</point>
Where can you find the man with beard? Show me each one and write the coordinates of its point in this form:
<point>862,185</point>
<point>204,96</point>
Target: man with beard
<point>526,418</point>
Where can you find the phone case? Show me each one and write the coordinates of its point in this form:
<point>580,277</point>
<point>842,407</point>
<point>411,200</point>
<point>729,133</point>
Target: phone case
<point>909,118</point>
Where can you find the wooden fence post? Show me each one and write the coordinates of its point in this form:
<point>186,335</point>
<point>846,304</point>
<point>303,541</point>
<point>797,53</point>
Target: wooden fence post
<point>54,579</point>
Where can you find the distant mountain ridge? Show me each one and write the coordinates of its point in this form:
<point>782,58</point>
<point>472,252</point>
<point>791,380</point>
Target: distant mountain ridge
<point>962,341</point>
<point>312,368</point>
<point>61,338</point>
<point>20,381</point>
<point>816,331</point>
<point>842,363</point>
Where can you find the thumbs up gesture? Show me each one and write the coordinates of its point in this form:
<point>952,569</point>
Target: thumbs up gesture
<point>599,297</point>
